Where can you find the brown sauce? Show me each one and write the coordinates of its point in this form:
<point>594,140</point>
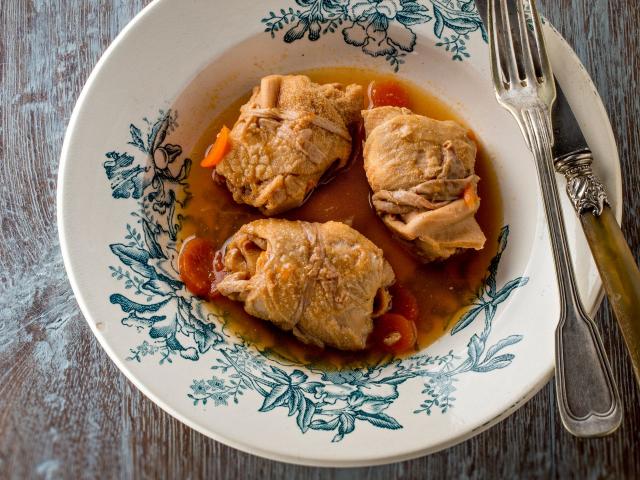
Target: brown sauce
<point>443,289</point>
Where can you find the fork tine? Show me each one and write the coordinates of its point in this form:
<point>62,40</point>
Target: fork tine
<point>527,60</point>
<point>509,55</point>
<point>545,65</point>
<point>496,69</point>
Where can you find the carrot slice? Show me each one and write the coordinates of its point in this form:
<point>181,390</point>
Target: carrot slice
<point>395,334</point>
<point>219,149</point>
<point>388,93</point>
<point>196,264</point>
<point>470,196</point>
<point>404,302</point>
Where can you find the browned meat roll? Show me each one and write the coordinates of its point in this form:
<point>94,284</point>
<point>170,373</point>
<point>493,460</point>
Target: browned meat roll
<point>288,135</point>
<point>421,172</point>
<point>323,281</point>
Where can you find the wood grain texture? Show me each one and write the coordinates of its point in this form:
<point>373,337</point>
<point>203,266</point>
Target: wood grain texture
<point>67,412</point>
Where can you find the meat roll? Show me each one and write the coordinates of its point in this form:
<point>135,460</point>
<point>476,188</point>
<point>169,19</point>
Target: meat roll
<point>422,175</point>
<point>323,281</point>
<point>289,133</point>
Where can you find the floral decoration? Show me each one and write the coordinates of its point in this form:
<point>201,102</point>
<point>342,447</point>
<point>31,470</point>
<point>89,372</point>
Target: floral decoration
<point>176,326</point>
<point>380,28</point>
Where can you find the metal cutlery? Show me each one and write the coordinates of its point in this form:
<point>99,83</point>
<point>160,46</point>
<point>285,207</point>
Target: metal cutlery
<point>588,399</point>
<point>615,262</point>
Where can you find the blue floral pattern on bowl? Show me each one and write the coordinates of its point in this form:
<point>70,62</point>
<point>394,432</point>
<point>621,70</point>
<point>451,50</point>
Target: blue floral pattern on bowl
<point>380,27</point>
<point>154,173</point>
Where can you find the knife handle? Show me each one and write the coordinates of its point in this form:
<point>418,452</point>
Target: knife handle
<point>620,276</point>
<point>614,260</point>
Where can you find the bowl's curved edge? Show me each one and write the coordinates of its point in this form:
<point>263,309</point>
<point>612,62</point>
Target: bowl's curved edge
<point>543,379</point>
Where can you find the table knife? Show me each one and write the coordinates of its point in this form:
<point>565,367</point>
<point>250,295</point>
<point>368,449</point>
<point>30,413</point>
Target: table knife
<point>614,260</point>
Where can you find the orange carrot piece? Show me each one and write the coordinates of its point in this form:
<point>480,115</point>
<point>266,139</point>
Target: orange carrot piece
<point>395,334</point>
<point>470,196</point>
<point>196,265</point>
<point>219,149</point>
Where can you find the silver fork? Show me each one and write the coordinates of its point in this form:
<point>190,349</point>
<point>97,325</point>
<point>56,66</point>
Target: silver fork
<point>587,396</point>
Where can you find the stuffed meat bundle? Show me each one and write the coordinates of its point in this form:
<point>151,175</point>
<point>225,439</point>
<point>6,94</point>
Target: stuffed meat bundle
<point>323,281</point>
<point>289,133</point>
<point>422,175</point>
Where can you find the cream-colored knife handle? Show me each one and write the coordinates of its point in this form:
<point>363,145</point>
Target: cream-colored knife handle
<point>620,276</point>
<point>615,262</point>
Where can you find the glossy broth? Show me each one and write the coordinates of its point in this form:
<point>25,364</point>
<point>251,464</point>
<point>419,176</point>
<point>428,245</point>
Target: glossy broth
<point>442,289</point>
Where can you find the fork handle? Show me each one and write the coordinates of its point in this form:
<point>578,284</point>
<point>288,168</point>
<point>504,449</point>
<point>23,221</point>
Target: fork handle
<point>588,399</point>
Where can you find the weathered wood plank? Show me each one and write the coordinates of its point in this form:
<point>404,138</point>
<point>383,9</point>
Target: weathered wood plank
<point>67,412</point>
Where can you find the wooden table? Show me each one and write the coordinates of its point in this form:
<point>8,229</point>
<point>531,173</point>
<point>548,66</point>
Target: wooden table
<point>65,409</point>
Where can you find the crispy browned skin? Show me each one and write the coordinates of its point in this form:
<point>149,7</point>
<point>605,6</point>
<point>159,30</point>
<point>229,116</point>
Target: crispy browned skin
<point>323,281</point>
<point>418,169</point>
<point>288,134</point>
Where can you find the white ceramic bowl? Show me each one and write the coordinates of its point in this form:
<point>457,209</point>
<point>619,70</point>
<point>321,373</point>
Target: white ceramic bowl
<point>124,168</point>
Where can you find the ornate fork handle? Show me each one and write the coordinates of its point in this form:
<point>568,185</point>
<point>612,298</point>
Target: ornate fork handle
<point>588,398</point>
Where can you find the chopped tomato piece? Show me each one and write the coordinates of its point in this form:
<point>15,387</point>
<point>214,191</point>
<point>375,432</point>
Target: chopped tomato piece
<point>395,334</point>
<point>404,302</point>
<point>218,150</point>
<point>388,93</point>
<point>198,266</point>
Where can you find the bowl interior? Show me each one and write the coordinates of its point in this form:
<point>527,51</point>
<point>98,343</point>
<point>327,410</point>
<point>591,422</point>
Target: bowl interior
<point>236,71</point>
